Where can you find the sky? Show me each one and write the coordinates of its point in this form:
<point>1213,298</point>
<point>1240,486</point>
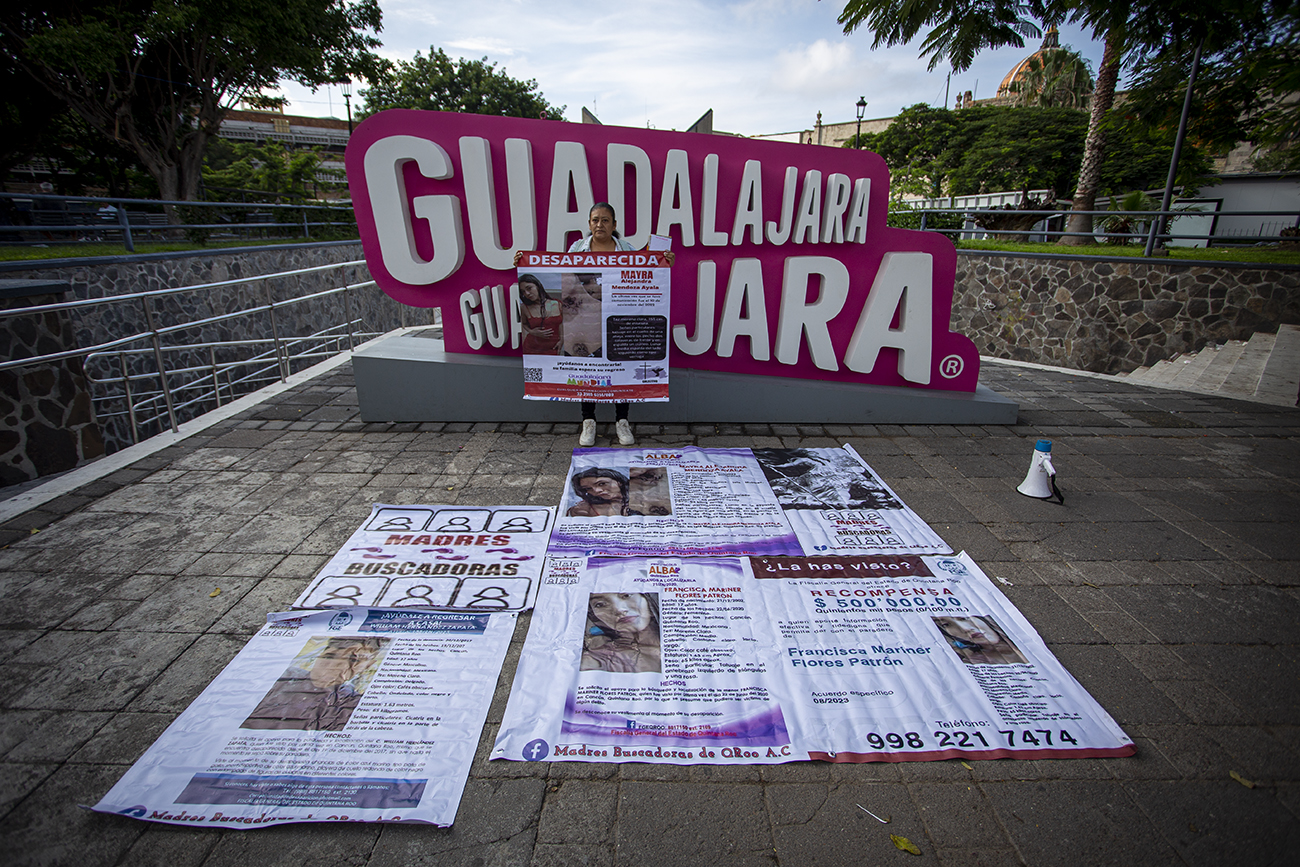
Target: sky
<point>763,66</point>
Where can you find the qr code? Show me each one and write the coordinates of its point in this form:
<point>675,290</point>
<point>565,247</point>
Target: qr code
<point>532,374</point>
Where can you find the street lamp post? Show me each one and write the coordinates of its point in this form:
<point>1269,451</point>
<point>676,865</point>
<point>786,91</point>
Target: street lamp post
<point>862,109</point>
<point>346,86</point>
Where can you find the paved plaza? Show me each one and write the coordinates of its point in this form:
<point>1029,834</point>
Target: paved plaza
<point>1168,585</point>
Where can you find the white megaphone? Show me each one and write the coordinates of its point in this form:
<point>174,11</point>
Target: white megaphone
<point>1040,481</point>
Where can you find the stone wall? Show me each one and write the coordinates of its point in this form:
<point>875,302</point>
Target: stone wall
<point>1114,315</point>
<point>46,422</point>
<point>103,278</point>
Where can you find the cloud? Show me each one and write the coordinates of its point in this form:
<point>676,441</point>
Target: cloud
<point>812,69</point>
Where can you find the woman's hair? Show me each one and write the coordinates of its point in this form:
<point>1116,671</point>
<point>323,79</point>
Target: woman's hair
<point>542,295</point>
<point>607,206</point>
<point>599,473</point>
<point>651,599</point>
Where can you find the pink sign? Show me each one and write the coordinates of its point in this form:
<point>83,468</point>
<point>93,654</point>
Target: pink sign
<point>785,266</point>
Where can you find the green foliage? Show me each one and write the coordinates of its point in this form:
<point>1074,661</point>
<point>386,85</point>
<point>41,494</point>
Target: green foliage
<point>269,167</point>
<point>438,83</point>
<point>1244,89</point>
<point>1054,78</point>
<point>159,75</point>
<point>994,148</point>
<point>959,29</point>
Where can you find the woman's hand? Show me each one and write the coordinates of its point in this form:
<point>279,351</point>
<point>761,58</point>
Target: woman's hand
<point>670,257</point>
<point>519,257</point>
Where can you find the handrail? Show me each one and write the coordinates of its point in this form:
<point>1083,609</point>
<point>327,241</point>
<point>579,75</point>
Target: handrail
<point>1154,218</point>
<point>175,290</point>
<point>150,342</point>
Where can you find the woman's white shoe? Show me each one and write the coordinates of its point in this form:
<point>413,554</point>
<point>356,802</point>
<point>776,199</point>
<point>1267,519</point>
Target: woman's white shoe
<point>624,431</point>
<point>588,435</point>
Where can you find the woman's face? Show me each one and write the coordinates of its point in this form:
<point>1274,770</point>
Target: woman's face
<point>972,629</point>
<point>621,612</point>
<point>528,291</point>
<point>602,224</point>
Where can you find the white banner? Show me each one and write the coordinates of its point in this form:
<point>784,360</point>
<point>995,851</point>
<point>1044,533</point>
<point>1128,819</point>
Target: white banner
<point>595,326</point>
<point>335,716</point>
<point>837,504</point>
<point>770,659</point>
<point>651,659</point>
<point>467,558</point>
<point>676,501</point>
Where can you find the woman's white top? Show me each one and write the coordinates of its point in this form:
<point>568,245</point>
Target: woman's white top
<point>583,245</point>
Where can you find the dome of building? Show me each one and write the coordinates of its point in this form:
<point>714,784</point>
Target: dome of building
<point>1051,41</point>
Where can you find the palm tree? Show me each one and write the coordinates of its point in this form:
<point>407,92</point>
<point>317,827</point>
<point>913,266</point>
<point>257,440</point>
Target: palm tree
<point>959,29</point>
<point>1053,78</point>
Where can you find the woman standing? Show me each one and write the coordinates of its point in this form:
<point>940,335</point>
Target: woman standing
<point>604,238</point>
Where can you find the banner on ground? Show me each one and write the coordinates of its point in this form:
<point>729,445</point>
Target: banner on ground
<point>846,658</point>
<point>836,503</point>
<point>676,501</point>
<point>595,326</point>
<point>335,716</point>
<point>468,558</point>
<point>692,501</point>
<point>648,659</point>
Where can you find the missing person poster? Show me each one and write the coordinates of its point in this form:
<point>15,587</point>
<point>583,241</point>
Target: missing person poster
<point>356,714</point>
<point>647,659</point>
<point>678,501</point>
<point>907,658</point>
<point>595,326</point>
<point>472,558</point>
<point>837,504</point>
<point>856,658</point>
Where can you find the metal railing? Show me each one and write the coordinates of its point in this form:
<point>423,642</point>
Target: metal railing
<point>168,381</point>
<point>28,219</point>
<point>1150,225</point>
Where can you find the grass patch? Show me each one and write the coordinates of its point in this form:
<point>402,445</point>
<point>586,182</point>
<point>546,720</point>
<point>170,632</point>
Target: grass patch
<point>84,251</point>
<point>1254,255</point>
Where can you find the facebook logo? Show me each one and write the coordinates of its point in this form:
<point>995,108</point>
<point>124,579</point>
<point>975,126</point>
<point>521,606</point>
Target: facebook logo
<point>535,751</point>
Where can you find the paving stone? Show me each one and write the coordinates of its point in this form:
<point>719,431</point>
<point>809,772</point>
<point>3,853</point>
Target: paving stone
<point>579,812</point>
<point>1219,822</point>
<point>101,671</point>
<point>49,828</point>
<point>188,675</point>
<point>823,825</point>
<point>1077,822</point>
<point>700,824</point>
<point>957,815</point>
<point>496,824</point>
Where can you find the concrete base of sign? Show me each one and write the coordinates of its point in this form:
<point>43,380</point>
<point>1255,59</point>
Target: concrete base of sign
<point>411,378</point>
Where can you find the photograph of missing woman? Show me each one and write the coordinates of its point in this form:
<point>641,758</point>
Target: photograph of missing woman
<point>821,479</point>
<point>979,640</point>
<point>648,491</point>
<point>622,633</point>
<point>321,688</point>
<point>580,303</point>
<point>540,318</point>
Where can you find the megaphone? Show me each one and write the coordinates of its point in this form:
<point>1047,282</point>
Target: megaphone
<point>1040,481</point>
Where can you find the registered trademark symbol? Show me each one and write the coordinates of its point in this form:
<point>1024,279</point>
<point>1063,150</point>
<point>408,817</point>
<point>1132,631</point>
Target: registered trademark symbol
<point>951,367</point>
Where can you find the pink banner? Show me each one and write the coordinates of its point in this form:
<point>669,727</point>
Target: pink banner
<point>785,266</point>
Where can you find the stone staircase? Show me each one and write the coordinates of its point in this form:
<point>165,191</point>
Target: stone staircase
<point>1265,369</point>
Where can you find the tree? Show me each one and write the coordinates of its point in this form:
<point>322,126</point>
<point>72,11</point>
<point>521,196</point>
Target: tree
<point>438,83</point>
<point>1055,78</point>
<point>160,75</point>
<point>267,168</point>
<point>998,148</point>
<point>1135,29</point>
<point>1244,92</point>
